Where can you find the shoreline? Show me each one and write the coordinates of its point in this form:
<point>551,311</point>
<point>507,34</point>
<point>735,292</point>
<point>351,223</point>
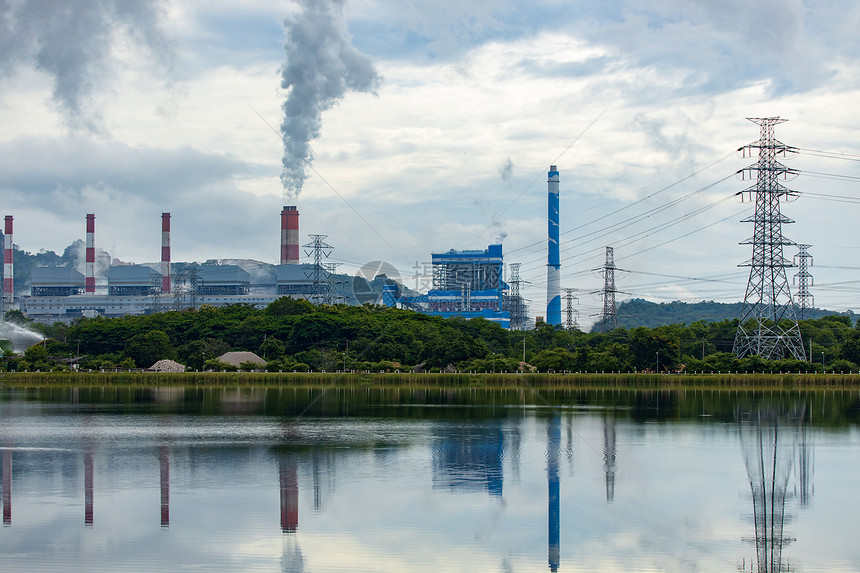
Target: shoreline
<point>411,380</point>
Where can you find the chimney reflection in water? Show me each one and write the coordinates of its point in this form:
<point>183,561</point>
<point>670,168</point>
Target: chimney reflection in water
<point>164,463</point>
<point>88,489</point>
<point>553,447</point>
<point>289,496</point>
<point>7,487</point>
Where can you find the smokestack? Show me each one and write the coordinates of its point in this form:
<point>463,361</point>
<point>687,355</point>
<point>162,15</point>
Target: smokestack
<point>165,252</point>
<point>553,260</point>
<point>90,267</point>
<point>8,283</point>
<point>290,235</point>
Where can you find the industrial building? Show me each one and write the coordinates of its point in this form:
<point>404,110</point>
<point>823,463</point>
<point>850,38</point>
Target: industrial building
<point>131,280</point>
<point>64,293</point>
<point>221,280</point>
<point>468,284</point>
<point>297,280</point>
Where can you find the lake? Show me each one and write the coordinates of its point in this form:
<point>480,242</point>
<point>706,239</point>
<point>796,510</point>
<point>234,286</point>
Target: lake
<point>381,479</point>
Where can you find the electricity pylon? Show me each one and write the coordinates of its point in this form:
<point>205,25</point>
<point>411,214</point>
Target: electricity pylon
<point>804,298</point>
<point>768,324</point>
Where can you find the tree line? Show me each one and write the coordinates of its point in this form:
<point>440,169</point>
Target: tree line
<point>291,334</point>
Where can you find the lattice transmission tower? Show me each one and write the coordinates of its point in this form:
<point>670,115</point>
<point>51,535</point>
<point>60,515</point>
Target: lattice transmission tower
<point>570,313</point>
<point>317,249</point>
<point>803,298</point>
<point>517,305</point>
<point>768,324</point>
<point>609,316</point>
<point>331,296</point>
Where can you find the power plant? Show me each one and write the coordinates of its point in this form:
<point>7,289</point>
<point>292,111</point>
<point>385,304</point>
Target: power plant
<point>63,293</point>
<point>465,283</point>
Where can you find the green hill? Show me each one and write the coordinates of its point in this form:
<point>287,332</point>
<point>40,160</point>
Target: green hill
<point>638,312</point>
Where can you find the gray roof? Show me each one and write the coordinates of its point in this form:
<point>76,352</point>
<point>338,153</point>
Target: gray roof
<point>56,277</point>
<point>222,275</point>
<point>298,274</point>
<point>132,275</point>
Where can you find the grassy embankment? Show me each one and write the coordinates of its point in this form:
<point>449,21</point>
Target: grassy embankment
<point>488,380</point>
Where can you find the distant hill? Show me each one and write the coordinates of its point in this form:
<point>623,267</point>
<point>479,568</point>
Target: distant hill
<point>638,312</point>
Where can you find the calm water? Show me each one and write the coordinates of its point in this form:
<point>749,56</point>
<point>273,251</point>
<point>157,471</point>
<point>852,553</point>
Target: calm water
<point>371,480</point>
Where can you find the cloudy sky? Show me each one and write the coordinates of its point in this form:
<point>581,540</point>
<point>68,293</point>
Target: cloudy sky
<point>404,128</point>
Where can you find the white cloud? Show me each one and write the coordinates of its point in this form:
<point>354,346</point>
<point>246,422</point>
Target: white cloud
<point>467,87</point>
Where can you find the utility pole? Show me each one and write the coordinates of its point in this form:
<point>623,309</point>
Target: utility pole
<point>768,324</point>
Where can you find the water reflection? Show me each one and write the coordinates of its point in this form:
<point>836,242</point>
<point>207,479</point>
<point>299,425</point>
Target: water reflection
<point>414,480</point>
<point>805,467</point>
<point>553,447</point>
<point>609,455</point>
<point>291,553</point>
<point>164,471</point>
<point>88,488</point>
<point>7,487</point>
<point>769,438</point>
<point>287,477</point>
<point>469,458</point>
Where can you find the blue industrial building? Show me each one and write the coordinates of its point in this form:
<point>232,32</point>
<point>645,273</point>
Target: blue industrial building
<point>468,284</point>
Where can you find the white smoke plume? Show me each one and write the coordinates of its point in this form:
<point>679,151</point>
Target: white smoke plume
<point>506,169</point>
<point>20,337</point>
<point>321,67</point>
<point>72,42</point>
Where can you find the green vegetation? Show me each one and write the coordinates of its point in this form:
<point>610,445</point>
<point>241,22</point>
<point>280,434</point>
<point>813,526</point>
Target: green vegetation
<point>296,336</point>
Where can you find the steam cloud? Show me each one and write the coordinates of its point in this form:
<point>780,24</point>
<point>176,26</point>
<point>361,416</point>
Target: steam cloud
<point>72,42</point>
<point>506,169</point>
<point>321,66</point>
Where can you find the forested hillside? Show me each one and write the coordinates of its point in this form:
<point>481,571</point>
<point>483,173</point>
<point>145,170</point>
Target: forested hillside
<point>638,312</point>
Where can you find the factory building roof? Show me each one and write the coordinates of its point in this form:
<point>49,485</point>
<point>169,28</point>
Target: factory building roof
<point>299,274</point>
<point>492,254</point>
<point>297,280</point>
<point>222,275</point>
<point>132,275</point>
<point>56,276</point>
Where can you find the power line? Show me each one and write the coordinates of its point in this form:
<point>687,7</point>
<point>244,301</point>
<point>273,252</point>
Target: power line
<point>654,194</point>
<point>829,154</point>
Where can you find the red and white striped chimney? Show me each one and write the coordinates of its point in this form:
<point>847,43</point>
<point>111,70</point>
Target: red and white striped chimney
<point>165,252</point>
<point>290,235</point>
<point>90,266</point>
<point>8,283</point>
